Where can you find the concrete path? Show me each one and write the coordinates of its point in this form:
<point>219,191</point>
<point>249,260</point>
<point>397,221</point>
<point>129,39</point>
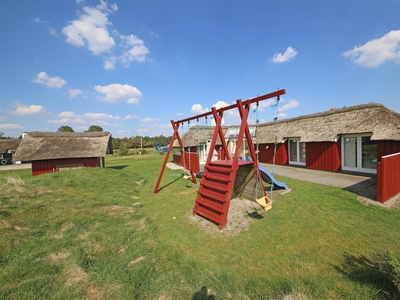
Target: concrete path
<point>15,167</point>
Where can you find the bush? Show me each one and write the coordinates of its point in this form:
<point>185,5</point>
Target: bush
<point>122,151</point>
<point>389,264</point>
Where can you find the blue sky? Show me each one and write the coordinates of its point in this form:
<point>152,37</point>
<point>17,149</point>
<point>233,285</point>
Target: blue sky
<point>133,66</point>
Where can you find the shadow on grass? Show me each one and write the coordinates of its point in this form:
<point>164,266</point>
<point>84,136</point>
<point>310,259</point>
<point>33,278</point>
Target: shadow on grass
<point>360,269</point>
<point>255,215</point>
<point>118,167</point>
<point>203,294</point>
<point>168,184</point>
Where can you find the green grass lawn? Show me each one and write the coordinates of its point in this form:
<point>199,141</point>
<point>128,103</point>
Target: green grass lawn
<point>102,233</point>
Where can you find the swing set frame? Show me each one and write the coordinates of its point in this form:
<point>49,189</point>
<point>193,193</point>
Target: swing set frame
<point>243,107</point>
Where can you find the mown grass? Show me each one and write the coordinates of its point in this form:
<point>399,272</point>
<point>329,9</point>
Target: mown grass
<point>102,233</point>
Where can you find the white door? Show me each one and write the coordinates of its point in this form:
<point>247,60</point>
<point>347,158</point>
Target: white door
<point>358,153</point>
<point>297,152</point>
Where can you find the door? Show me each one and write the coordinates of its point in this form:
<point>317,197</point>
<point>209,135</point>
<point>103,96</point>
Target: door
<point>359,153</point>
<point>297,152</point>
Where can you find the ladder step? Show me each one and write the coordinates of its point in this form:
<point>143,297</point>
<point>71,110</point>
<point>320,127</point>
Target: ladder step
<point>222,169</point>
<point>212,215</point>
<point>213,195</point>
<point>217,176</point>
<point>211,203</point>
<point>214,186</point>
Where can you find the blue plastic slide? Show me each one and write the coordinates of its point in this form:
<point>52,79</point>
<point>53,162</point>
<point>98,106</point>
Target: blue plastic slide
<point>268,178</point>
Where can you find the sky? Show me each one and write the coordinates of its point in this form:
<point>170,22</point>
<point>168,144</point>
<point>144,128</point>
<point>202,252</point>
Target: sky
<point>132,66</point>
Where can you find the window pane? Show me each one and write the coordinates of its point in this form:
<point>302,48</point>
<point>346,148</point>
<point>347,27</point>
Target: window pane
<point>368,153</point>
<point>350,152</point>
<point>293,150</point>
<point>302,150</point>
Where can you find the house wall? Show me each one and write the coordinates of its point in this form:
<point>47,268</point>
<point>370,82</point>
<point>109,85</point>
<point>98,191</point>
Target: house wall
<point>388,177</point>
<point>323,156</point>
<point>386,148</point>
<point>266,154</point>
<point>189,161</point>
<point>51,165</point>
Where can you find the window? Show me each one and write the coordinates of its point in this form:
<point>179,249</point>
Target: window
<point>358,153</point>
<point>297,152</point>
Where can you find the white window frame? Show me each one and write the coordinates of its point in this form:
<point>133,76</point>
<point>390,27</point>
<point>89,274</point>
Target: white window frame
<point>359,167</point>
<point>298,162</point>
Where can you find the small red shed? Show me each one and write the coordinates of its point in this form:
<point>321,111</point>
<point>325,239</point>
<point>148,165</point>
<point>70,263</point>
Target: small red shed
<point>52,151</point>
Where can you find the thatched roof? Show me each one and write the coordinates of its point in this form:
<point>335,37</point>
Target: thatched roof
<point>381,122</point>
<point>8,144</point>
<point>54,145</point>
<point>198,134</point>
<point>327,126</point>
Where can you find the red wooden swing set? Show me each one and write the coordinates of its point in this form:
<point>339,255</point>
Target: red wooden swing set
<point>220,179</point>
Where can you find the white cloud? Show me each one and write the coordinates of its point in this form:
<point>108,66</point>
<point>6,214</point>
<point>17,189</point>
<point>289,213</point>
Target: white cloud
<point>91,29</point>
<point>38,20</point>
<point>10,126</point>
<point>29,110</point>
<point>119,93</point>
<point>289,54</point>
<point>282,115</point>
<point>375,52</point>
<point>220,104</point>
<point>198,109</point>
<point>292,104</point>
<point>53,31</point>
<point>130,117</point>
<point>51,82</point>
<point>67,114</point>
<point>102,123</point>
<point>263,105</point>
<point>73,93</point>
<point>69,117</point>
<point>136,49</point>
<point>97,116</point>
<point>109,63</point>
<point>145,120</point>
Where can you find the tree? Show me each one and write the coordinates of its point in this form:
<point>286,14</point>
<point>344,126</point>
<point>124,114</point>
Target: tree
<point>65,129</point>
<point>94,128</point>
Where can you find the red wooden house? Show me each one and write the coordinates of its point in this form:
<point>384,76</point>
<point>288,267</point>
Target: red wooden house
<point>359,138</point>
<point>53,151</point>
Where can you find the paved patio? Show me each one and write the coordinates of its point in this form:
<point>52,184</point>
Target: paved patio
<point>362,184</point>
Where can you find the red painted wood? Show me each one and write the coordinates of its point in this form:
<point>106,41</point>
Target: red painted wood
<point>191,162</point>
<point>217,132</point>
<point>218,180</point>
<point>266,154</point>
<point>388,177</point>
<point>50,166</point>
<point>386,148</point>
<point>323,156</point>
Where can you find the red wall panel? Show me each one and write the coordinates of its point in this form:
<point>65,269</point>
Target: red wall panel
<point>386,148</point>
<point>323,156</point>
<point>189,161</point>
<point>266,153</point>
<point>388,176</point>
<point>50,166</point>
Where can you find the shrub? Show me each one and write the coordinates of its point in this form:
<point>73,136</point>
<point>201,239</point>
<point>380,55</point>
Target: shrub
<point>389,264</point>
